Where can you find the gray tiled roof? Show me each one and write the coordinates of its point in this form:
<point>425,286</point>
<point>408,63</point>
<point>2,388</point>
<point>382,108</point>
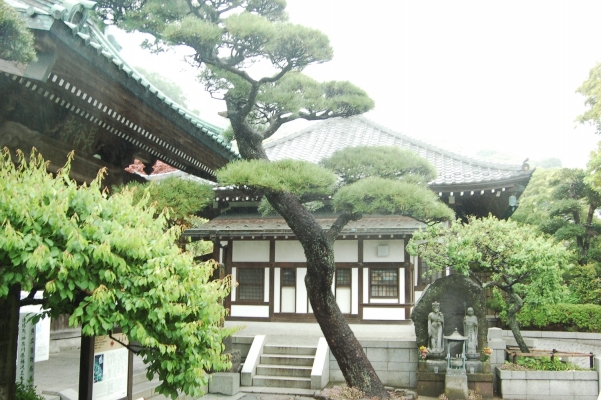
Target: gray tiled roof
<point>252,225</point>
<point>324,138</point>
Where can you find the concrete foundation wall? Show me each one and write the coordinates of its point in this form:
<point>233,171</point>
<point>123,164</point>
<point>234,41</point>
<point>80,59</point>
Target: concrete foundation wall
<point>395,362</point>
<point>548,385</point>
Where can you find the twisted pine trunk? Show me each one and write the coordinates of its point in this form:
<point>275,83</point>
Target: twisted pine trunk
<point>319,251</point>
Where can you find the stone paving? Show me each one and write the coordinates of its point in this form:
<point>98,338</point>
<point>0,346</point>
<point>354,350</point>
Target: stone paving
<point>572,347</point>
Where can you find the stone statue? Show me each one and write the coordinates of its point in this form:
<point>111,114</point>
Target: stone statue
<point>470,330</point>
<point>435,329</point>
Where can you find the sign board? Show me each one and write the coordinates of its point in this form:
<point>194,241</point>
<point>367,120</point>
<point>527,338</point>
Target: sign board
<point>25,348</point>
<point>110,370</point>
<point>42,331</point>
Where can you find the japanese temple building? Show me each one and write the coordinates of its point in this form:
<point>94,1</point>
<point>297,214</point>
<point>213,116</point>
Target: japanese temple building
<point>81,95</point>
<point>376,280</point>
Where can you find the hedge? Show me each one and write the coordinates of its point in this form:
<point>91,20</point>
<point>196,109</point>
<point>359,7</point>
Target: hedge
<point>562,317</point>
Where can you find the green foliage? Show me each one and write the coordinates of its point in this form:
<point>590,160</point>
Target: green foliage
<point>516,257</point>
<point>230,38</point>
<point>390,162</point>
<point>27,392</point>
<point>562,317</point>
<point>165,85</point>
<point>546,364</point>
<point>584,284</point>
<point>110,261</point>
<point>561,203</point>
<point>591,90</point>
<point>179,197</point>
<point>386,196</point>
<point>16,41</point>
<point>292,176</point>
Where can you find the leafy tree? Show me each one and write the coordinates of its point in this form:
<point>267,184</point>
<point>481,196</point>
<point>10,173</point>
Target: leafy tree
<point>591,90</point>
<point>180,198</point>
<point>515,259</point>
<point>561,203</point>
<point>16,41</point>
<point>235,43</point>
<point>110,261</point>
<point>167,86</point>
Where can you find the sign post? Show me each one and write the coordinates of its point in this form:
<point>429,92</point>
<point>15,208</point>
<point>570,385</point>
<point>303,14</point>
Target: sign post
<point>106,368</point>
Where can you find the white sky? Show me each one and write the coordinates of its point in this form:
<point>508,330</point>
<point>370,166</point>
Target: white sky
<point>464,75</point>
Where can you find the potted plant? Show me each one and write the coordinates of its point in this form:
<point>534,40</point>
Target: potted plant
<point>423,354</point>
<point>485,358</point>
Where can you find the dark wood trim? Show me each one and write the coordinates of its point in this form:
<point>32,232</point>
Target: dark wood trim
<point>360,250</point>
<point>86,367</point>
<point>251,303</point>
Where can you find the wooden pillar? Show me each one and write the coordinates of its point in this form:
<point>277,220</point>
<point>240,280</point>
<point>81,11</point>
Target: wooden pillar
<point>9,330</point>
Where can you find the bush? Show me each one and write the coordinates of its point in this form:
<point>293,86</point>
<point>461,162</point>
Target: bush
<point>562,317</point>
<point>546,364</point>
<point>27,392</point>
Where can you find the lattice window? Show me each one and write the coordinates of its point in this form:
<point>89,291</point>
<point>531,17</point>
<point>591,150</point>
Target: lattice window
<point>385,282</point>
<point>288,277</point>
<point>251,284</point>
<point>343,277</point>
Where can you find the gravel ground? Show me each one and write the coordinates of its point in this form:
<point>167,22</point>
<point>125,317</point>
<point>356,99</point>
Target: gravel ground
<point>572,347</point>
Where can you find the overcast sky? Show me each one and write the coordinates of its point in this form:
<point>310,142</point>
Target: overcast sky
<point>464,75</point>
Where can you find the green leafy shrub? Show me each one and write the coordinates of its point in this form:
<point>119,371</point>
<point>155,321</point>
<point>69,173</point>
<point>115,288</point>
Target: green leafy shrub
<point>546,364</point>
<point>562,317</point>
<point>27,392</point>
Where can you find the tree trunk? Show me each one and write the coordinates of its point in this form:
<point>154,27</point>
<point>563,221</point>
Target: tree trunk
<point>9,331</point>
<point>514,307</point>
<point>319,250</point>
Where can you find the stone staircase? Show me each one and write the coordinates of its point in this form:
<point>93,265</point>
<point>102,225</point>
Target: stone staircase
<point>285,366</point>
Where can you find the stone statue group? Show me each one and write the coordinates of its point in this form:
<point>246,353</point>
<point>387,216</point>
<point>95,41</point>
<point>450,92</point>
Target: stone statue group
<point>436,329</point>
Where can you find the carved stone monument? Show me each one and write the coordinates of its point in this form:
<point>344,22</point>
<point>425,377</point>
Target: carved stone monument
<point>453,303</point>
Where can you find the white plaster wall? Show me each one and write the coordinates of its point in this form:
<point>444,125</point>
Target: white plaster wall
<point>249,311</point>
<point>355,291</point>
<point>289,251</point>
<point>266,286</point>
<point>288,299</point>
<point>343,298</point>
<point>384,314</point>
<point>365,285</point>
<point>402,294</point>
<point>252,251</point>
<point>377,300</point>
<point>301,291</point>
<point>416,269</point>
<point>234,283</point>
<point>276,290</point>
<point>396,250</point>
<point>346,251</point>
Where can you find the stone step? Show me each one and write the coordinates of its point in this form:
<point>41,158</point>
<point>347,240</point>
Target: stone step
<point>282,381</point>
<point>281,359</point>
<point>50,396</point>
<point>284,370</point>
<point>289,349</point>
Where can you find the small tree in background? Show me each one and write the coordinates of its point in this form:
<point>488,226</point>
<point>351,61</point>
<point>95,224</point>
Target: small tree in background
<point>110,261</point>
<point>180,199</point>
<point>525,266</point>
<point>16,41</point>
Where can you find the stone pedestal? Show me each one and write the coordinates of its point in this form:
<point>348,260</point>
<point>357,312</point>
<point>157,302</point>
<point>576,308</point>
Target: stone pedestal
<point>456,385</point>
